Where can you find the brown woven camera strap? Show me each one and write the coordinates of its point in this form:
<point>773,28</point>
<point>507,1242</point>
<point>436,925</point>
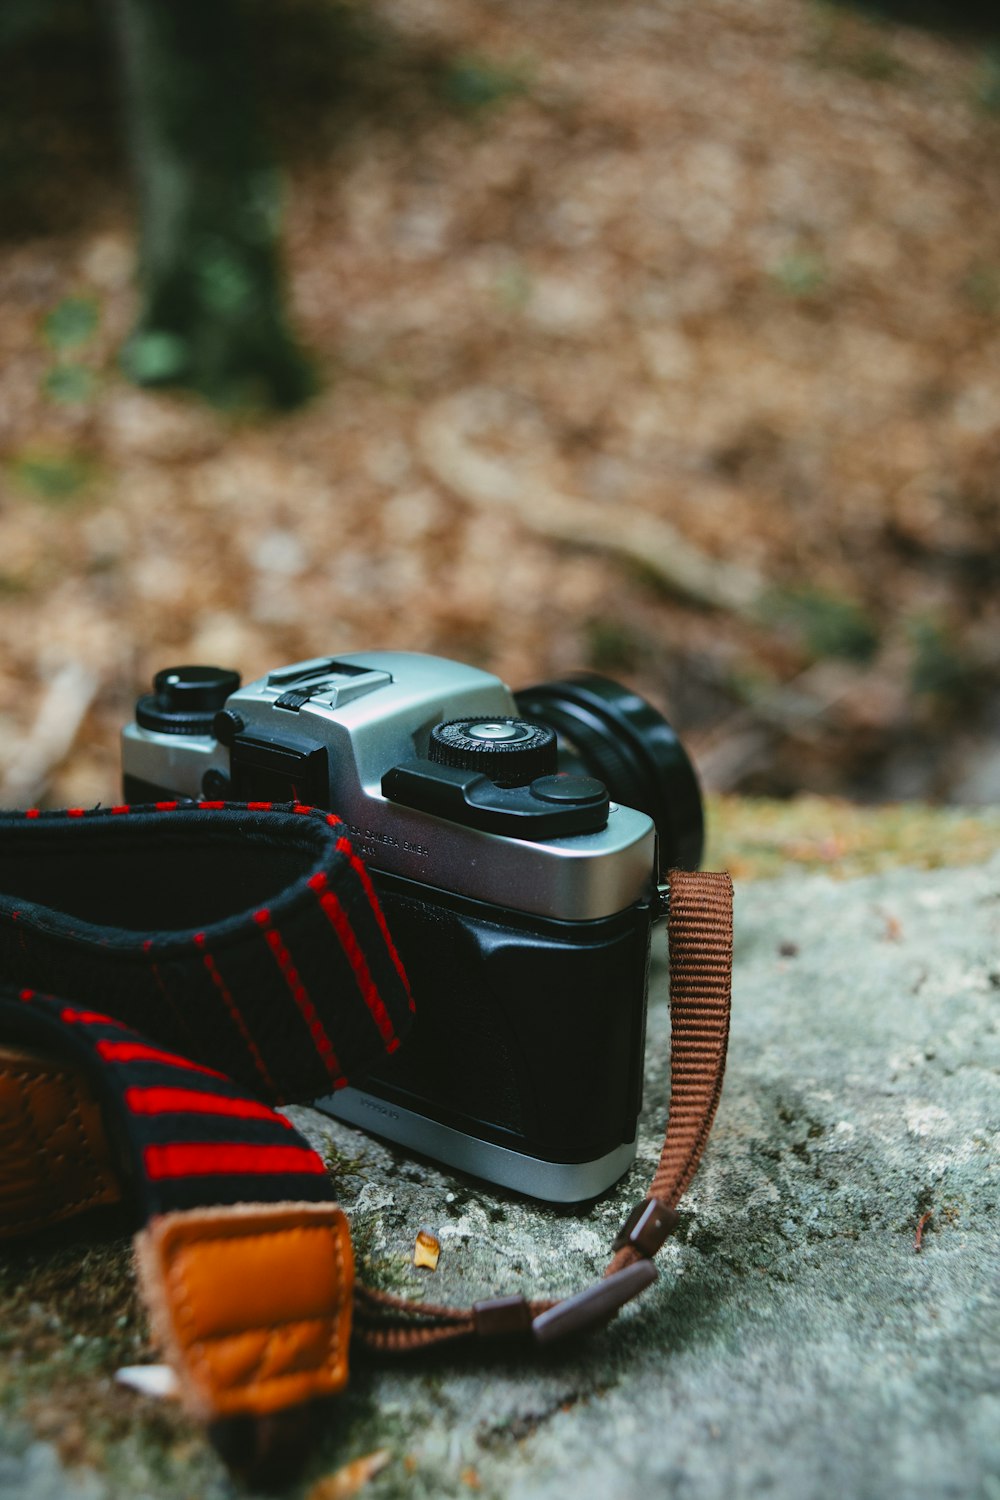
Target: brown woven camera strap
<point>700,934</point>
<point>700,937</point>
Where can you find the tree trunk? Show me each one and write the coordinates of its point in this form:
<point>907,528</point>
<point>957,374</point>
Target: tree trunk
<point>211,315</point>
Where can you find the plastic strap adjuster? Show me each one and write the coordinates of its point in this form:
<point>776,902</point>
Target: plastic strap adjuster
<point>646,1227</point>
<point>501,1317</point>
<point>595,1305</point>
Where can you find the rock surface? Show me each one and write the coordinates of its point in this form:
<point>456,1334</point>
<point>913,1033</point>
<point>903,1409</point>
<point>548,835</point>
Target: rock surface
<point>803,1340</point>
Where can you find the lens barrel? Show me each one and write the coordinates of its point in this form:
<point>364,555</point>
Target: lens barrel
<point>621,738</point>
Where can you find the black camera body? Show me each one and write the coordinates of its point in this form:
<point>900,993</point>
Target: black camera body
<point>517,845</point>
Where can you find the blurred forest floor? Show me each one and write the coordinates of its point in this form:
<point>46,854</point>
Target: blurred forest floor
<point>596,291</point>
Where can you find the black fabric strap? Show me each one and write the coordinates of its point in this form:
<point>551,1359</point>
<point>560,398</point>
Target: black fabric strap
<point>184,1136</point>
<point>220,959</point>
<point>245,937</point>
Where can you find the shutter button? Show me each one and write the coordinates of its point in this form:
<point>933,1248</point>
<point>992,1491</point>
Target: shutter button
<point>585,791</point>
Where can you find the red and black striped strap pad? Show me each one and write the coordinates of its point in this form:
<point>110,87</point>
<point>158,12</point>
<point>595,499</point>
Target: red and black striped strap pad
<point>245,1260</point>
<point>244,937</point>
<point>182,1135</point>
<point>251,1303</point>
<point>219,959</point>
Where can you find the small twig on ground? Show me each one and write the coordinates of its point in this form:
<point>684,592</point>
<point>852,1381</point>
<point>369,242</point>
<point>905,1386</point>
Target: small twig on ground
<point>918,1238</point>
<point>449,435</point>
<point>893,932</point>
<point>50,739</point>
<point>348,1480</point>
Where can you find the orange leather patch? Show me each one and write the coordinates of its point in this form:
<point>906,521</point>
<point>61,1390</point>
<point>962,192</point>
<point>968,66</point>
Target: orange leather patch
<point>54,1155</point>
<point>251,1304</point>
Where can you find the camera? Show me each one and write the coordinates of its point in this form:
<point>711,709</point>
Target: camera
<point>518,844</point>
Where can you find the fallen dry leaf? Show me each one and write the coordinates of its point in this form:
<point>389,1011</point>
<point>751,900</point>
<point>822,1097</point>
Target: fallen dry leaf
<point>426,1251</point>
<point>893,930</point>
<point>347,1481</point>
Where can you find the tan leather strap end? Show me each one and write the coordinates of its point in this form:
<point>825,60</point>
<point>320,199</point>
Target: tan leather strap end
<point>250,1304</point>
<point>54,1155</point>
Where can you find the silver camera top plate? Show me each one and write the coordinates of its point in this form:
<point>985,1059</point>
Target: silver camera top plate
<point>375,709</point>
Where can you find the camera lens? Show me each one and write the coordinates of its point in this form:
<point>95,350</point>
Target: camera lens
<point>612,733</point>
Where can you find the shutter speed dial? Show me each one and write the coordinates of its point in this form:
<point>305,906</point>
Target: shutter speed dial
<point>511,752</point>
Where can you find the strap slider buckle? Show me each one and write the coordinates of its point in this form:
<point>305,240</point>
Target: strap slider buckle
<point>595,1305</point>
<point>501,1316</point>
<point>646,1227</point>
